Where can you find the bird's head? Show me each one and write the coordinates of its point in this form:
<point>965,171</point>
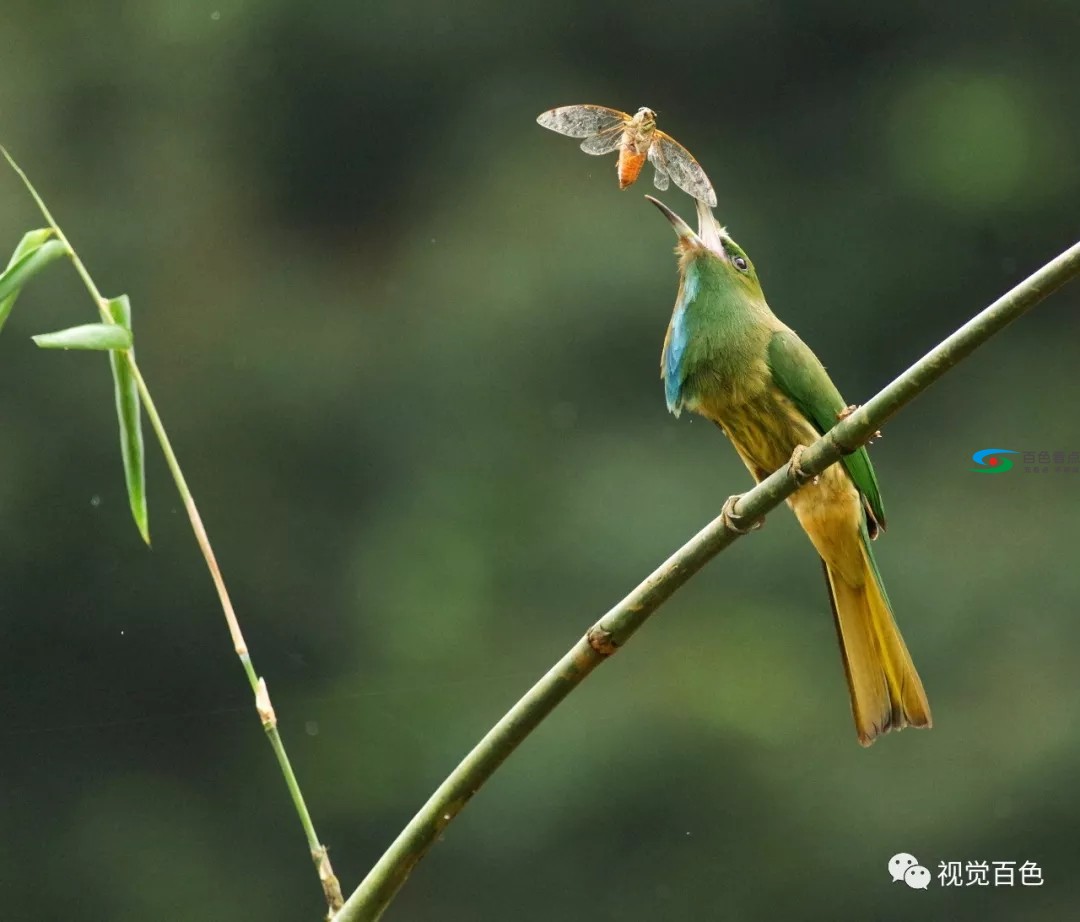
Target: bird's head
<point>711,251</point>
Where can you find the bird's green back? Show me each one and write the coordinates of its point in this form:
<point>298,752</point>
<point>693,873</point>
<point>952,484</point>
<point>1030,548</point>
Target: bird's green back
<point>799,374</point>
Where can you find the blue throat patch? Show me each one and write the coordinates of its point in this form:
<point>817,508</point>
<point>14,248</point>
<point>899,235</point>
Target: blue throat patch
<point>674,373</point>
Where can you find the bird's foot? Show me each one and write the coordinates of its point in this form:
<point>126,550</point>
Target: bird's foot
<point>847,411</point>
<point>800,476</point>
<point>737,523</point>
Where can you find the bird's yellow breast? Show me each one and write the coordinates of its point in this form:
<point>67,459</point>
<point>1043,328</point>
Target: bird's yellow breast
<point>765,427</point>
<point>762,423</point>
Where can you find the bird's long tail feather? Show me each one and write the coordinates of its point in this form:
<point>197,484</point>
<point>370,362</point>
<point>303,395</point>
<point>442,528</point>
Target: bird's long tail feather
<point>886,692</point>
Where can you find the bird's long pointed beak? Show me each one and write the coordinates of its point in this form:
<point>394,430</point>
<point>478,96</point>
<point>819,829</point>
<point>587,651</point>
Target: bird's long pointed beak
<point>708,228</point>
<point>682,229</point>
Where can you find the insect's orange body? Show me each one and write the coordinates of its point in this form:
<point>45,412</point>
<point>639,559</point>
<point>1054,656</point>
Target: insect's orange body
<point>629,167</point>
<point>637,139</point>
<point>634,148</point>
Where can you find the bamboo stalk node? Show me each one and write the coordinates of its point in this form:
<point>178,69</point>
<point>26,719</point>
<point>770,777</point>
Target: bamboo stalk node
<point>601,641</point>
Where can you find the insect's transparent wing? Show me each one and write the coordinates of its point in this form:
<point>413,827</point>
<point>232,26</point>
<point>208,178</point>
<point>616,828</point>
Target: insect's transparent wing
<point>582,121</point>
<point>680,164</point>
<point>660,170</point>
<point>605,142</point>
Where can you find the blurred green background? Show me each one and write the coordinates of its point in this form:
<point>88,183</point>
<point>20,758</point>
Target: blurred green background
<point>407,345</point>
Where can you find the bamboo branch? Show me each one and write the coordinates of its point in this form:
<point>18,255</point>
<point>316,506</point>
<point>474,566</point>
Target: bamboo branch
<point>318,851</point>
<point>604,638</point>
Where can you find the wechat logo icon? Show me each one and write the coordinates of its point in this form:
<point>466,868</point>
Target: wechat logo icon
<point>906,868</point>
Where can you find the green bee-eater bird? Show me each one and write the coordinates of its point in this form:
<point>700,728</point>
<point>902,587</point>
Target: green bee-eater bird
<point>729,358</point>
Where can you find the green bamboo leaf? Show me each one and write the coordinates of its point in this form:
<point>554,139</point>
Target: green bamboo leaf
<point>31,241</point>
<point>128,412</point>
<point>94,336</point>
<point>34,252</point>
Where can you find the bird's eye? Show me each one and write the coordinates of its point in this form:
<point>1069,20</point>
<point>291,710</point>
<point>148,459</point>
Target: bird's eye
<point>740,264</point>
